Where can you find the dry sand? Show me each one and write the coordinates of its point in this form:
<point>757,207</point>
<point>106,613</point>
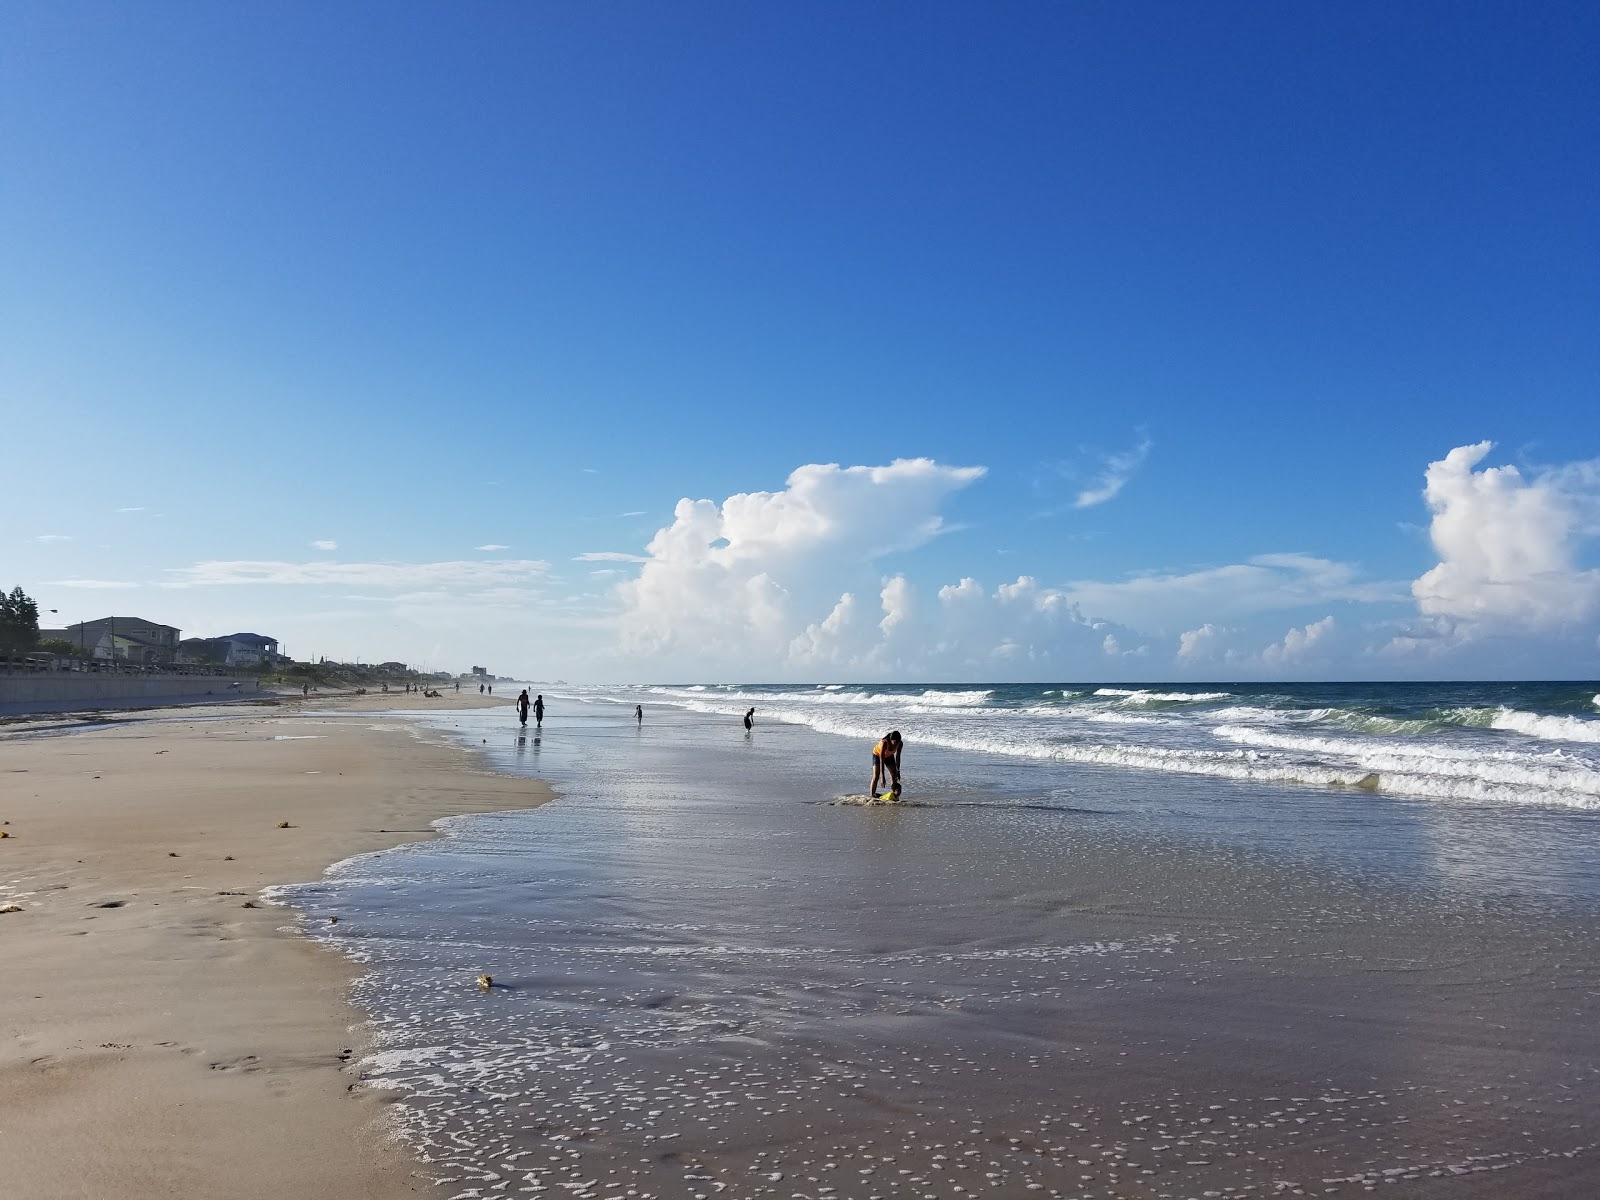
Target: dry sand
<point>165,1033</point>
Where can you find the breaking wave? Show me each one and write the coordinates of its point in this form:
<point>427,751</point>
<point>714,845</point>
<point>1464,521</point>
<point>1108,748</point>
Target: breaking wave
<point>1447,742</point>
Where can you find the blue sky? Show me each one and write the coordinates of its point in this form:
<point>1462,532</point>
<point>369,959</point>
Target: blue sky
<point>416,280</point>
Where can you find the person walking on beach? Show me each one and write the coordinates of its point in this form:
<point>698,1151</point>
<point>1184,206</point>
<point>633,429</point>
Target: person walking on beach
<point>638,713</point>
<point>886,763</point>
<point>749,720</point>
<point>480,689</point>
<point>522,706</point>
<point>538,710</point>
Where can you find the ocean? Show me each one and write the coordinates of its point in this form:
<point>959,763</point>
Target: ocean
<point>1173,940</point>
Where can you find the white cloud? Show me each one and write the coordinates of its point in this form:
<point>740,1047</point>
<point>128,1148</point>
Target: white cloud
<point>610,556</point>
<point>1508,544</point>
<point>385,575</point>
<point>1205,644</point>
<point>325,545</point>
<point>754,574</point>
<point>492,546</point>
<point>1265,583</point>
<point>92,583</point>
<point>640,513</point>
<point>783,583</point>
<point>1113,474</point>
<point>131,508</point>
<point>1301,645</point>
<point>53,537</point>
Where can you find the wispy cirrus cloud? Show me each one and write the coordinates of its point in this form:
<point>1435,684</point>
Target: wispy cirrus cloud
<point>492,546</point>
<point>1113,474</point>
<point>93,583</point>
<point>324,544</point>
<point>130,508</point>
<point>53,537</point>
<point>381,575</point>
<point>610,556</point>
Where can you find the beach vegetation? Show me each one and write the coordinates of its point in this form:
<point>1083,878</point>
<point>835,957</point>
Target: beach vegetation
<point>62,648</point>
<point>19,622</point>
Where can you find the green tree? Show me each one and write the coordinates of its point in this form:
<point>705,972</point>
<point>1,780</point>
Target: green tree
<point>19,622</point>
<point>64,648</point>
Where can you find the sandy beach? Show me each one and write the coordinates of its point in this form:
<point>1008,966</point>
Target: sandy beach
<point>166,1033</point>
<point>711,978</point>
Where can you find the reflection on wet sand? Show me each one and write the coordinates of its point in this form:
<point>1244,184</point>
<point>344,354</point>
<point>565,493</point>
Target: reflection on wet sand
<point>709,980</point>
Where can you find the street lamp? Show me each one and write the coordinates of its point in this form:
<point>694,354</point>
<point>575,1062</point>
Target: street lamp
<point>68,627</point>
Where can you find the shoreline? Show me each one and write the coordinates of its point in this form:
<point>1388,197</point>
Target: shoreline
<point>709,975</point>
<point>166,1031</point>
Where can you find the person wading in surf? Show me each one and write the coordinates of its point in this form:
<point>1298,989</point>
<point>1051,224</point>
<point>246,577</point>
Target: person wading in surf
<point>886,764</point>
<point>522,706</point>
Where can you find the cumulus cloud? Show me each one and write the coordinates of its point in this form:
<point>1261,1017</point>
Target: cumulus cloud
<point>1113,474</point>
<point>325,545</point>
<point>1301,645</point>
<point>382,575</point>
<point>1206,644</point>
<point>753,573</point>
<point>1508,544</point>
<point>791,582</point>
<point>800,582</point>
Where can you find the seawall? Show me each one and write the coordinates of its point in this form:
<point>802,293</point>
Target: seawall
<point>64,691</point>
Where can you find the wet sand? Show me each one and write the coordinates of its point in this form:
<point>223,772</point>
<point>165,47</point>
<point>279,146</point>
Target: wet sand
<point>711,980</point>
<point>164,1032</point>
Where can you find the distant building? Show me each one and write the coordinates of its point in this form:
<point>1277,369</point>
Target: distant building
<point>480,670</point>
<point>230,650</point>
<point>122,639</point>
<point>394,668</point>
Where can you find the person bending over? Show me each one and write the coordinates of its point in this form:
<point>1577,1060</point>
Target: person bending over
<point>886,764</point>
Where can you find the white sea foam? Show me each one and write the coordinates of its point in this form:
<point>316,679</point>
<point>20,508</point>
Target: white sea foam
<point>1468,754</point>
<point>1141,696</point>
<point>1446,764</point>
<point>951,699</point>
<point>1252,712</point>
<point>1552,729</point>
